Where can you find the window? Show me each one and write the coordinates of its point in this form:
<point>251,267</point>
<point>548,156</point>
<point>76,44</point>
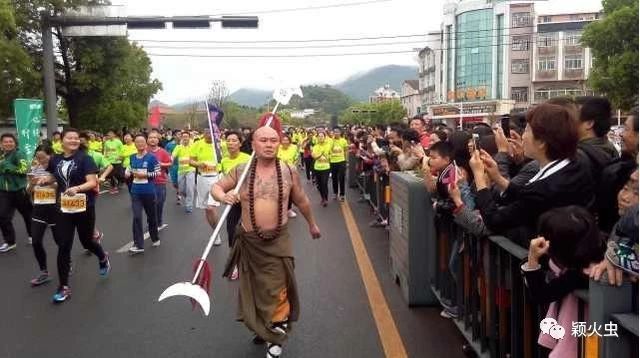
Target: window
<point>573,62</point>
<point>520,94</point>
<point>545,19</point>
<point>520,66</point>
<point>520,19</point>
<point>546,40</point>
<point>546,63</point>
<point>572,38</point>
<point>520,43</point>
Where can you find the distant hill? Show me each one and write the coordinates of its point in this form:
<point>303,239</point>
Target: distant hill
<point>322,98</point>
<point>250,97</point>
<point>360,86</point>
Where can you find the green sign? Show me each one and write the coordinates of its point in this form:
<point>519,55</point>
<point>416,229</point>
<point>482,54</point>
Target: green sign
<point>28,113</point>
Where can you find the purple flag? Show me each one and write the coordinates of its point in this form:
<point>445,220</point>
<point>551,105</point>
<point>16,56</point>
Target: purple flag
<point>215,115</point>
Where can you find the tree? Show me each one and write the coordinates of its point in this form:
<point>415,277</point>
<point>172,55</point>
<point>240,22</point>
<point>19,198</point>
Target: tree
<point>218,93</point>
<point>17,75</point>
<point>105,82</point>
<point>373,113</point>
<point>614,43</point>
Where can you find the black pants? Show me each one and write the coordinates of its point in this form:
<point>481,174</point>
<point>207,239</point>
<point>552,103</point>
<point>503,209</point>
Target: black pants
<point>322,178</point>
<point>116,177</point>
<point>9,202</point>
<point>338,171</point>
<point>63,234</point>
<point>235,215</point>
<point>44,216</point>
<point>308,167</point>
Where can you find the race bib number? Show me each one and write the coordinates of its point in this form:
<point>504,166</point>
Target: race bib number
<point>44,196</point>
<point>73,204</point>
<point>209,169</point>
<point>337,150</point>
<point>184,161</point>
<point>136,180</point>
<point>322,160</point>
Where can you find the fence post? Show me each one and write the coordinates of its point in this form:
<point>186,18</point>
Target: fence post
<point>412,239</point>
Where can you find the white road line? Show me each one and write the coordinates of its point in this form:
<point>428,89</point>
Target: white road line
<point>126,247</point>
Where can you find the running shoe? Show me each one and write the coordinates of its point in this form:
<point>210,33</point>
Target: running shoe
<point>105,266</point>
<point>273,350</point>
<point>62,294</point>
<point>292,214</point>
<point>341,197</point>
<point>188,210</point>
<point>113,190</point>
<point>42,278</point>
<point>30,241</point>
<point>156,244</point>
<point>324,203</point>
<point>6,247</point>
<point>98,238</point>
<point>136,250</point>
<point>162,226</point>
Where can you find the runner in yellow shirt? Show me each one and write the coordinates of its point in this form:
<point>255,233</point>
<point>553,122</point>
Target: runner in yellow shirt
<point>288,153</point>
<point>186,173</point>
<point>204,159</point>
<point>338,161</point>
<point>128,149</point>
<point>321,153</point>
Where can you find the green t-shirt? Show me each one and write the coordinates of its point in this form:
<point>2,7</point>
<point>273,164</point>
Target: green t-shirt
<point>112,148</point>
<point>227,163</point>
<point>202,152</point>
<point>183,154</point>
<point>57,147</point>
<point>98,159</point>
<point>321,153</point>
<point>338,150</point>
<point>289,155</point>
<point>126,152</point>
<point>95,145</point>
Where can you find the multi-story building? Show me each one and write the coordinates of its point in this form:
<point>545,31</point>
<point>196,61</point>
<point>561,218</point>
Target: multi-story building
<point>562,64</point>
<point>430,71</point>
<point>410,97</point>
<point>384,93</point>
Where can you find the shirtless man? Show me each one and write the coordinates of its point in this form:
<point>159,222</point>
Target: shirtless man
<point>262,249</point>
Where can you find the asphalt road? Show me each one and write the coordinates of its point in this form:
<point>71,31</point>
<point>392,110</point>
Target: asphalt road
<point>120,317</point>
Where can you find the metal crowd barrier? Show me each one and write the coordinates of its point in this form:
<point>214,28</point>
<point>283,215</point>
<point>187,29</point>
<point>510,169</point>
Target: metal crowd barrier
<point>494,312</point>
<point>374,189</point>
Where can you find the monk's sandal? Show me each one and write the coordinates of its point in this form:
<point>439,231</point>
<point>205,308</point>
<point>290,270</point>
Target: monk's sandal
<point>273,350</point>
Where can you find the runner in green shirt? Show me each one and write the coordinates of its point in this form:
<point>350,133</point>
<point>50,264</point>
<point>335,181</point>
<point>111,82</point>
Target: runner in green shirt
<point>321,153</point>
<point>112,148</point>
<point>186,173</point>
<point>338,161</point>
<point>236,157</point>
<point>128,149</point>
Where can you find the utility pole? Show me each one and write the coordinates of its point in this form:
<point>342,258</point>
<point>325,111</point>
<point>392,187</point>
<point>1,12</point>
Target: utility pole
<point>140,22</point>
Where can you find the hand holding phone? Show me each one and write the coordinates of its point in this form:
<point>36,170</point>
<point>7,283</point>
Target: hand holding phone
<point>505,123</point>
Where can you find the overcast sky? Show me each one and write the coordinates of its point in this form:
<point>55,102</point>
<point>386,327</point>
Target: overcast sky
<point>189,77</point>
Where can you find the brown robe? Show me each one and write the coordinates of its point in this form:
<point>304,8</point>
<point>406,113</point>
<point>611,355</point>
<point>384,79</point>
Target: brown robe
<point>266,278</point>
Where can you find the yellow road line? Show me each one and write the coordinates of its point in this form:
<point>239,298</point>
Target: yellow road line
<point>387,330</point>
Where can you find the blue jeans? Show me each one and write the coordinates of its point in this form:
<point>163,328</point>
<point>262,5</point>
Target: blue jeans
<point>148,203</point>
<point>161,196</point>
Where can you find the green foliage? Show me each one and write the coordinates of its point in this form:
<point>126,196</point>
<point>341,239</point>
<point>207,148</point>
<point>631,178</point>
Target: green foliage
<point>17,75</point>
<point>321,98</point>
<point>373,113</point>
<point>236,116</point>
<point>105,82</point>
<point>614,45</point>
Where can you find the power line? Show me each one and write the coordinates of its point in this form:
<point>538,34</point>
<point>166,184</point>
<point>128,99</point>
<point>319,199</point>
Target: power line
<point>318,55</point>
<point>334,39</point>
<point>306,8</point>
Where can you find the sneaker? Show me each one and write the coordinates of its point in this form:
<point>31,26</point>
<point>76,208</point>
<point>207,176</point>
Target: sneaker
<point>42,278</point>
<point>98,238</point>
<point>178,200</point>
<point>217,241</point>
<point>155,244</point>
<point>113,190</point>
<point>323,203</point>
<point>29,241</point>
<point>292,214</point>
<point>235,274</point>
<point>188,210</point>
<point>136,250</point>
<point>6,247</point>
<point>162,226</point>
<point>273,350</point>
<point>341,197</point>
<point>105,267</point>
<point>449,312</point>
<point>62,294</point>
<point>623,256</point>
<point>87,252</point>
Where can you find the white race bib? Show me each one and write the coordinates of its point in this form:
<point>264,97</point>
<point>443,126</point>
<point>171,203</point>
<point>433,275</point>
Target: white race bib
<point>144,180</point>
<point>44,195</point>
<point>73,204</point>
<point>184,161</point>
<point>209,169</point>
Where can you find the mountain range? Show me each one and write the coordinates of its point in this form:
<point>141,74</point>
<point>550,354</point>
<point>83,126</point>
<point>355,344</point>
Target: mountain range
<point>358,86</point>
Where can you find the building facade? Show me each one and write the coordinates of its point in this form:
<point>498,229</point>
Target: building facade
<point>493,57</point>
<point>562,65</point>
<point>410,97</point>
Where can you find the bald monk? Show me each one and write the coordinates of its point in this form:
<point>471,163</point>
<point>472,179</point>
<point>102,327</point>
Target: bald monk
<point>268,299</point>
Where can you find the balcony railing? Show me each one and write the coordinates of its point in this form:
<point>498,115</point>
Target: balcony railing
<point>573,74</point>
<point>547,50</point>
<point>546,74</point>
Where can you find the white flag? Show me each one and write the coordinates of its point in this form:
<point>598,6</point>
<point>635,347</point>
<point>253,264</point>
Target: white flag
<point>284,94</point>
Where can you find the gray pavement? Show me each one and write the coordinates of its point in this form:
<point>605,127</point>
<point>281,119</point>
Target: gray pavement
<point>120,316</point>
